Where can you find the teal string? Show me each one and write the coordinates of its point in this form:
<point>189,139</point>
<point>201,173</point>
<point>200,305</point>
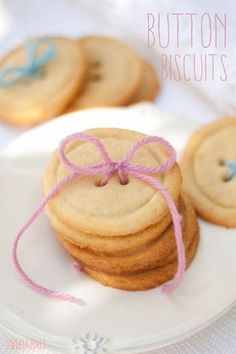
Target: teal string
<point>232,169</point>
<point>11,75</point>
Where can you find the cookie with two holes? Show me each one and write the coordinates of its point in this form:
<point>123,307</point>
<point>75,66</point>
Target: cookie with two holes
<point>48,93</point>
<point>117,76</point>
<point>207,161</point>
<point>118,230</point>
<point>93,71</point>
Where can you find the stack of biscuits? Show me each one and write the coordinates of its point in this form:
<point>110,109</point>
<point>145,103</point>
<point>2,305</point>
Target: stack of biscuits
<point>121,235</point>
<point>93,71</point>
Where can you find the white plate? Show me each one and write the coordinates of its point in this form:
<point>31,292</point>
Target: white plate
<point>132,321</point>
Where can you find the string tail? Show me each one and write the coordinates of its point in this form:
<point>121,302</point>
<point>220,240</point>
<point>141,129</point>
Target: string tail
<point>176,219</point>
<point>36,287</point>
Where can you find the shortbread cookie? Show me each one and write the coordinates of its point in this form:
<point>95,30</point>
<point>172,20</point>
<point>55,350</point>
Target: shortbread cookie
<point>50,90</point>
<point>143,280</point>
<point>115,74</point>
<point>158,253</point>
<point>114,209</point>
<point>109,245</point>
<point>205,171</point>
<point>150,84</point>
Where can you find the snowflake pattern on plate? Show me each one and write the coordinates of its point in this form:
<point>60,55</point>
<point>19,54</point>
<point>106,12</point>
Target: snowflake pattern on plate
<point>91,343</point>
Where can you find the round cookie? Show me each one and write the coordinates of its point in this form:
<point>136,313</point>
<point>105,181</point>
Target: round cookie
<point>115,74</point>
<point>109,245</point>
<point>114,209</point>
<point>160,252</point>
<point>48,93</point>
<point>150,84</point>
<point>205,172</point>
<point>143,280</point>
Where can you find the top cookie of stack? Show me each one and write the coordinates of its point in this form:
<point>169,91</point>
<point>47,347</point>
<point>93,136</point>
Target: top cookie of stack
<point>119,232</point>
<point>50,76</point>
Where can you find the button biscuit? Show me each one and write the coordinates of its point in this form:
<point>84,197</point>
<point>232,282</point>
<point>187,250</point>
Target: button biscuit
<point>114,209</point>
<point>143,280</point>
<point>51,89</point>
<point>106,244</point>
<point>155,254</point>
<point>115,74</point>
<point>208,174</point>
<point>150,85</point>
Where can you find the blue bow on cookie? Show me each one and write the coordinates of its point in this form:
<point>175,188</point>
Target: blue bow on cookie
<point>232,169</point>
<point>12,74</point>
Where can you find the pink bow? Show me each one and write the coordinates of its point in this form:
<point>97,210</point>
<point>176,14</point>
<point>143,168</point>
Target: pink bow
<point>106,167</point>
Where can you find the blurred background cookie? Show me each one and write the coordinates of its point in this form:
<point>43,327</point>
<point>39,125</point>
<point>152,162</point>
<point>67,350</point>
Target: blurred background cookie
<point>115,73</point>
<point>150,84</point>
<point>40,78</point>
<point>48,76</point>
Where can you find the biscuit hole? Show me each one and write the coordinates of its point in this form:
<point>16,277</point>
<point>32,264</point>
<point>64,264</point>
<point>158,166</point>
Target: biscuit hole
<point>96,77</point>
<point>100,184</point>
<point>28,81</point>
<point>125,182</point>
<point>96,64</point>
<point>25,82</point>
<point>221,162</point>
<point>42,74</point>
<point>225,179</point>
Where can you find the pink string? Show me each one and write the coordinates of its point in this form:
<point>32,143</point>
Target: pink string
<point>106,167</point>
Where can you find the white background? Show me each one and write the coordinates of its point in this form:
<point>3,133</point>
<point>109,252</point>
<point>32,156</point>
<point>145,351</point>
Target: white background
<point>20,19</point>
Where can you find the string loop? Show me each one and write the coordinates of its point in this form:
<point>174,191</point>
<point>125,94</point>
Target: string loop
<point>9,76</point>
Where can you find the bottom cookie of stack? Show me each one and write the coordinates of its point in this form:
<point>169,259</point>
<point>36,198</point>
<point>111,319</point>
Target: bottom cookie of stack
<point>143,280</point>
